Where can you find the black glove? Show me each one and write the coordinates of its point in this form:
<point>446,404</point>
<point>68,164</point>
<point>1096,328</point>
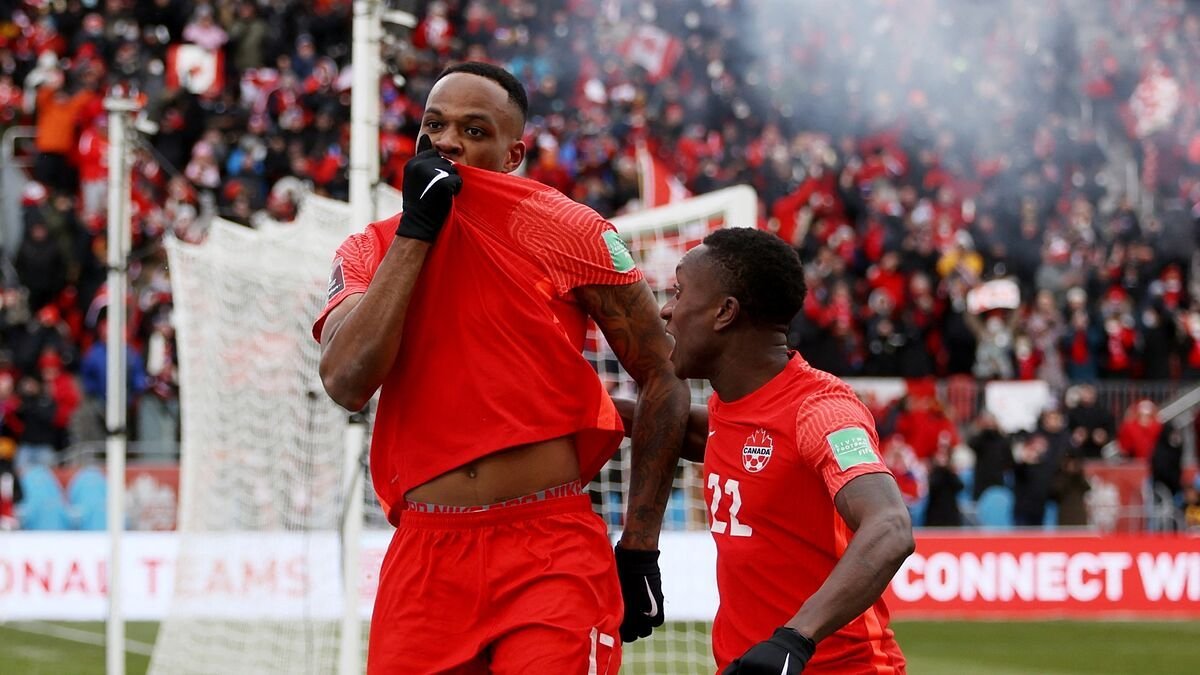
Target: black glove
<point>641,587</point>
<point>430,183</point>
<point>786,653</point>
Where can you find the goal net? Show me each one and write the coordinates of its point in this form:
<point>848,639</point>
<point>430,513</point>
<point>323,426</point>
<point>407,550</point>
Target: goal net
<point>658,238</point>
<point>257,584</point>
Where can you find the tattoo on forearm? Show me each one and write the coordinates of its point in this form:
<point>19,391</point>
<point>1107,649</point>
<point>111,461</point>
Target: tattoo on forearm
<point>628,317</point>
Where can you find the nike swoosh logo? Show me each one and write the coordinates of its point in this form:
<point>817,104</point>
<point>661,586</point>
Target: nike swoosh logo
<point>712,432</point>
<point>653,603</point>
<point>786,662</point>
<point>441,173</point>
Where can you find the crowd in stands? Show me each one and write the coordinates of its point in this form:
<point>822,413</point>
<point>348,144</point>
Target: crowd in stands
<point>912,151</point>
<point>992,477</point>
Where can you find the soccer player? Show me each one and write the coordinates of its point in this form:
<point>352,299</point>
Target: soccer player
<point>808,522</point>
<point>469,309</point>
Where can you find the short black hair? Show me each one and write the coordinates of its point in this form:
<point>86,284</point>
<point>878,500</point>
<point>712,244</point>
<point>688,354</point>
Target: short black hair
<point>761,271</point>
<point>516,91</point>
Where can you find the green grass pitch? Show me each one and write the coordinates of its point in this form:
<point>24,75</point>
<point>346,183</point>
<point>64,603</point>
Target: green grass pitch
<point>932,648</point>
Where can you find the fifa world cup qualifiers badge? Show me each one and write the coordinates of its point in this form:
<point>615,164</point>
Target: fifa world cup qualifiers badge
<point>851,447</point>
<point>621,259</point>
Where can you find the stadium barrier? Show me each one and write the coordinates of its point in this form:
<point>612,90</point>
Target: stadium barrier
<point>151,492</point>
<point>964,396</point>
<point>278,576</point>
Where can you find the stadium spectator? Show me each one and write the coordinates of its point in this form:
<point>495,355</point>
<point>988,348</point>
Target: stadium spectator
<point>248,36</point>
<point>41,264</point>
<point>93,375</point>
<point>158,409</point>
<point>944,487</point>
<point>1191,508</point>
<point>303,59</point>
<point>1139,431</point>
<point>1081,342</point>
<point>66,229</point>
<point>63,390</point>
<point>1068,490</point>
<point>922,421</point>
<point>910,472</point>
<point>994,341</point>
<point>1036,463</point>
<point>1092,425</point>
<point>993,454</point>
<point>31,339</point>
<point>38,437</point>
<point>1166,463</point>
<point>58,111</point>
<point>204,31</point>
<point>10,485</point>
<point>1156,343</point>
<point>92,156</point>
<point>9,402</point>
<point>1043,325</point>
<point>1188,326</point>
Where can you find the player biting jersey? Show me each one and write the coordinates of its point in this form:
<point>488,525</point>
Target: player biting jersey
<point>468,312</point>
<point>809,524</point>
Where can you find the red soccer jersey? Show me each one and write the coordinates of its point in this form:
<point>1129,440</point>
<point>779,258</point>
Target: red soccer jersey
<point>774,462</point>
<point>491,353</point>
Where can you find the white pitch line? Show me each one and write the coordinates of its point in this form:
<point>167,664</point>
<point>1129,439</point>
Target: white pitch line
<point>76,635</point>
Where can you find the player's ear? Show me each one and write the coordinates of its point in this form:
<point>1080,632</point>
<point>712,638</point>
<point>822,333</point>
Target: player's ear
<point>516,155</point>
<point>727,313</point>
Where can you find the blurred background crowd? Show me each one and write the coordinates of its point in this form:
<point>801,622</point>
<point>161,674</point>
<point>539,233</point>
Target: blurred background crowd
<point>913,151</point>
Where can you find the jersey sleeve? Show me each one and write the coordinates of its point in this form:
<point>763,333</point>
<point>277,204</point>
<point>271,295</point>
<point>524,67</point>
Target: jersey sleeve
<point>835,434</point>
<point>353,267</point>
<point>575,245</point>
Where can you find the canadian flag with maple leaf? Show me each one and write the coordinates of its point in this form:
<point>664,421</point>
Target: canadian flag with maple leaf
<point>199,70</point>
<point>656,183</point>
<point>654,49</point>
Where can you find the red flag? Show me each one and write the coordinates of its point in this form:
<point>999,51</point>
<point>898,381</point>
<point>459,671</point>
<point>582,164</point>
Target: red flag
<point>196,69</point>
<point>654,49</point>
<point>658,186</point>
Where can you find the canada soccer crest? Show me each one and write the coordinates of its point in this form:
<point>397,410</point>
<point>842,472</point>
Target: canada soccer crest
<point>757,451</point>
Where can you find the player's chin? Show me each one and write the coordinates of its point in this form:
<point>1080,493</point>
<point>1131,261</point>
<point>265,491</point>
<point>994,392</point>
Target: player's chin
<point>679,362</point>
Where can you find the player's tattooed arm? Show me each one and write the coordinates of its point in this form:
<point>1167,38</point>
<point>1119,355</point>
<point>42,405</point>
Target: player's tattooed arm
<point>628,317</point>
<point>872,506</point>
<point>694,441</point>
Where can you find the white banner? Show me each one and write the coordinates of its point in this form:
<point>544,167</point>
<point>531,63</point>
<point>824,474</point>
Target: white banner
<point>63,575</point>
<point>995,294</point>
<point>689,575</point>
<point>1017,404</point>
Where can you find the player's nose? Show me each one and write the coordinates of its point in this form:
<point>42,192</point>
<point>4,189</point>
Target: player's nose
<point>667,310</point>
<point>448,145</point>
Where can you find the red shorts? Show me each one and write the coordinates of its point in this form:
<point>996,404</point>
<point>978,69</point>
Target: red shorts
<point>525,589</point>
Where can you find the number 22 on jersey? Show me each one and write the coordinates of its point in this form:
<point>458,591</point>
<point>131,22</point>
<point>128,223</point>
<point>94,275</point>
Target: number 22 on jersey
<point>734,527</point>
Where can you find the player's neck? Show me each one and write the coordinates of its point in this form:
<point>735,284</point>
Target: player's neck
<point>747,366</point>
